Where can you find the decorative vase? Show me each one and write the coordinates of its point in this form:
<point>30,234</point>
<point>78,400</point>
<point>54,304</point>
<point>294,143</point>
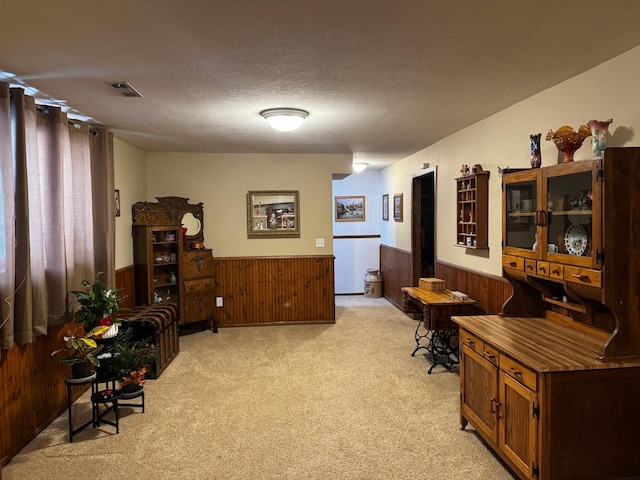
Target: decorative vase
<point>567,140</point>
<point>599,131</point>
<point>536,157</point>
<point>81,369</point>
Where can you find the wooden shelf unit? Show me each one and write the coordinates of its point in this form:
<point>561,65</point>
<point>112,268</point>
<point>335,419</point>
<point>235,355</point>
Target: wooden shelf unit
<point>472,209</point>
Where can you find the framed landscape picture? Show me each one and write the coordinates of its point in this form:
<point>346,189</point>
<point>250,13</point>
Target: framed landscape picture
<point>397,207</point>
<point>350,209</point>
<point>385,206</point>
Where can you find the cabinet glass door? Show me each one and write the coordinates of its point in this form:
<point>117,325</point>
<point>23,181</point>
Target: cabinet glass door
<point>521,204</point>
<point>165,272</point>
<point>573,200</point>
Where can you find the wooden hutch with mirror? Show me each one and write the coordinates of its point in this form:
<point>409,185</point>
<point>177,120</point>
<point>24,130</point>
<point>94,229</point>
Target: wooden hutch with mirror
<point>171,262</point>
<point>552,384</point>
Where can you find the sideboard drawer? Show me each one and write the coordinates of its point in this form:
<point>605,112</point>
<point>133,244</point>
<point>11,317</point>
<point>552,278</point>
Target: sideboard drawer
<point>472,341</point>
<point>511,261</point>
<point>556,271</point>
<point>522,374</point>
<point>542,268</point>
<point>491,354</point>
<point>584,276</point>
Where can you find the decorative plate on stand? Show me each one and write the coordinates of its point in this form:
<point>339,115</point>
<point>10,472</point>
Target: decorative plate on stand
<point>575,239</point>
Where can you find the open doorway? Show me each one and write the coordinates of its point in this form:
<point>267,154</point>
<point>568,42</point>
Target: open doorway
<point>423,224</point>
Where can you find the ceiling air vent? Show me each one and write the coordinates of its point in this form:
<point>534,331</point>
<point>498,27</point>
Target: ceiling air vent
<point>125,89</point>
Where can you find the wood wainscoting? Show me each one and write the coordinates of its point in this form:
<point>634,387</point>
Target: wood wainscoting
<point>267,290</point>
<point>489,291</point>
<point>397,272</point>
<point>126,283</point>
<point>32,391</point>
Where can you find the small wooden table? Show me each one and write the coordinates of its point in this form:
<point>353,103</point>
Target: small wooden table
<point>435,324</point>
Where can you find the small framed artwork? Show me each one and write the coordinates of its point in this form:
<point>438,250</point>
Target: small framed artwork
<point>116,202</point>
<point>385,206</point>
<point>397,207</point>
<point>350,209</point>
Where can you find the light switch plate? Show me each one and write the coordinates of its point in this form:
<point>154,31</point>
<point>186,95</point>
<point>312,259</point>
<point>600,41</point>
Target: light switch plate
<point>319,242</point>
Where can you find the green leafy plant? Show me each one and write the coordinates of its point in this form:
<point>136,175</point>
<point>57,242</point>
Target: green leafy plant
<point>79,347</point>
<point>132,357</point>
<point>99,304</point>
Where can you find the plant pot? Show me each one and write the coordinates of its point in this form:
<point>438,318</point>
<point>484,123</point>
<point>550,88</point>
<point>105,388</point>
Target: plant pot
<point>131,388</point>
<point>81,369</point>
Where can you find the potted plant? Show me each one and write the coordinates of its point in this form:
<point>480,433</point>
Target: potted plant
<point>81,350</point>
<point>99,306</point>
<point>132,358</point>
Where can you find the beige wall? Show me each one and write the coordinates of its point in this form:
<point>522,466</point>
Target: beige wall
<point>221,182</point>
<point>610,90</point>
<point>130,179</point>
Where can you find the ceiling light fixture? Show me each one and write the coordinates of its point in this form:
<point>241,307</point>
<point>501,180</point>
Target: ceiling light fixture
<point>284,119</point>
<point>359,166</point>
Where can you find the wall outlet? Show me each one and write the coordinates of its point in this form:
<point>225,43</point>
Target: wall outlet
<point>218,301</point>
<point>319,242</point>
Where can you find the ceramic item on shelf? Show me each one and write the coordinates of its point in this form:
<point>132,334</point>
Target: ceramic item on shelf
<point>575,239</point>
<point>567,140</point>
<point>536,157</point>
<point>599,131</point>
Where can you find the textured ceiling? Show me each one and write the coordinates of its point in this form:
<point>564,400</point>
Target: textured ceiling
<point>381,79</point>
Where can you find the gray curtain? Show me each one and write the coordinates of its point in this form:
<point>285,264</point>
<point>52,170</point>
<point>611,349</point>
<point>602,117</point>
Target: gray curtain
<point>62,202</point>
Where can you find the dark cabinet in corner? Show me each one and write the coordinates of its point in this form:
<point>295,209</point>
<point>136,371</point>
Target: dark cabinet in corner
<point>171,263</point>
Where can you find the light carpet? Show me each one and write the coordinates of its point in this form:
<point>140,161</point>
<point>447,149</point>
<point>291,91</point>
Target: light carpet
<point>332,401</point>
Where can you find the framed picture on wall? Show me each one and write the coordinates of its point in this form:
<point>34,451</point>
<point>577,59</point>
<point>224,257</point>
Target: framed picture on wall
<point>385,206</point>
<point>273,213</point>
<point>350,209</point>
<point>397,207</point>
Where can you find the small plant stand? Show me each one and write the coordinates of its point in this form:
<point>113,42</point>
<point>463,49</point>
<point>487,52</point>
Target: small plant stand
<point>71,382</point>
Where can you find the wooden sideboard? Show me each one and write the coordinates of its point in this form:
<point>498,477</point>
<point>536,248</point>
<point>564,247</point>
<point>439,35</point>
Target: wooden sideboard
<point>535,391</point>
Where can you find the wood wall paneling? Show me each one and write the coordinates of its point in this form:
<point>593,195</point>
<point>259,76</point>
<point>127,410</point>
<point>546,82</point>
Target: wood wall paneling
<point>265,290</point>
<point>125,281</point>
<point>489,291</point>
<point>397,272</point>
<point>32,390</point>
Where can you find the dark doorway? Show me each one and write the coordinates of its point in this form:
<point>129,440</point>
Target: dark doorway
<point>423,225</point>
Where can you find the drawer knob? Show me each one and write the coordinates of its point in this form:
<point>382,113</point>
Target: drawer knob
<point>584,278</point>
<point>555,271</point>
<point>543,270</point>
<point>515,372</point>
<point>512,264</point>
<point>470,342</point>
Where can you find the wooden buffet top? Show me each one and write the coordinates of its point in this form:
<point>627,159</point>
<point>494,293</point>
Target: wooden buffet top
<point>540,343</point>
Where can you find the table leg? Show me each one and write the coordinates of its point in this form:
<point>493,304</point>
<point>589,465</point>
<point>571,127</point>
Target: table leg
<point>419,337</point>
<point>440,350</point>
